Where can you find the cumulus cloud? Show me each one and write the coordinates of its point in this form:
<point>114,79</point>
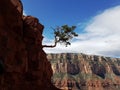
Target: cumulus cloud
<point>101,36</point>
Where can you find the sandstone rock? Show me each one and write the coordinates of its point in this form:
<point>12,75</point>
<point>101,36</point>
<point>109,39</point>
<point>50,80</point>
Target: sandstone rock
<point>85,72</point>
<point>23,62</point>
<point>18,5</point>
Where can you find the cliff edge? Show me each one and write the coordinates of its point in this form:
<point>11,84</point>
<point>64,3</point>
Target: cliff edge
<point>23,63</point>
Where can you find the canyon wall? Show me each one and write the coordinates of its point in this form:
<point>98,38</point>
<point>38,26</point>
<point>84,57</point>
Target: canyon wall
<point>85,72</point>
<point>23,63</point>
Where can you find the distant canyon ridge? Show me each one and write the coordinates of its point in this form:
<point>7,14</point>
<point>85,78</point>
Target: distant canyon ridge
<point>25,66</point>
<point>73,71</point>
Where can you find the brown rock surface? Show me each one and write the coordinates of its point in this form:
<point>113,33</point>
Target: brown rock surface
<point>23,63</point>
<point>85,72</point>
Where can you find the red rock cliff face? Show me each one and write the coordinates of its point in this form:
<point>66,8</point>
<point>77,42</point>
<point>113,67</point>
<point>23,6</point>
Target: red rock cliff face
<point>23,63</point>
<point>85,72</point>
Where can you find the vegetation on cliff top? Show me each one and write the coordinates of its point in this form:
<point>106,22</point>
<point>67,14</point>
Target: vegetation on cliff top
<point>63,34</point>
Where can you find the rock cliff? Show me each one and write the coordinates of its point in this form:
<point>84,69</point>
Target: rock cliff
<point>85,72</point>
<point>23,63</point>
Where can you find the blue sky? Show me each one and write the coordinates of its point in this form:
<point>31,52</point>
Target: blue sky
<point>87,15</point>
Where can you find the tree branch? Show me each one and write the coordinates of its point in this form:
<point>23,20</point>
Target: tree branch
<point>52,46</point>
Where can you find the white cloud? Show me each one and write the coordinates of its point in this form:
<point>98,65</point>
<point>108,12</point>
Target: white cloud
<point>24,13</point>
<point>101,37</point>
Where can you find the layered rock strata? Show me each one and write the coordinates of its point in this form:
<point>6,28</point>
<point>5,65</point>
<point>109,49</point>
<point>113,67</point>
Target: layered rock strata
<point>85,72</point>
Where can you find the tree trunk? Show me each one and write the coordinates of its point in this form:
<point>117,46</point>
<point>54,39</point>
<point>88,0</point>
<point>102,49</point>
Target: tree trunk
<point>52,46</point>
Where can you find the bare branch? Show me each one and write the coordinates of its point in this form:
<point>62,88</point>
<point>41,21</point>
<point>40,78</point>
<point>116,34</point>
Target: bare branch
<point>51,46</point>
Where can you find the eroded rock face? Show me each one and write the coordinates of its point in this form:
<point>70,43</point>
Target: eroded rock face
<point>23,63</point>
<point>85,72</point>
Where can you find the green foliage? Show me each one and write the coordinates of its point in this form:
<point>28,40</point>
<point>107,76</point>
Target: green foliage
<point>59,75</point>
<point>64,34</point>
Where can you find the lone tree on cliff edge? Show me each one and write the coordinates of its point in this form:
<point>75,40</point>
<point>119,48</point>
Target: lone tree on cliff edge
<point>63,34</point>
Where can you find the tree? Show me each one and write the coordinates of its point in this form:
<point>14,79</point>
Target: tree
<point>63,34</point>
